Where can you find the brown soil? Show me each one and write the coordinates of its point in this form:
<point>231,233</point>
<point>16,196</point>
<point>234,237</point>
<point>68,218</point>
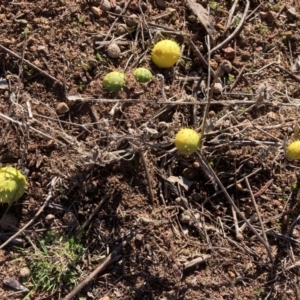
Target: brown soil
<point>116,149</point>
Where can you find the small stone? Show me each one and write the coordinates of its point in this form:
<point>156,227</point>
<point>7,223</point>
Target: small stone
<point>62,108</point>
<point>131,21</point>
<point>220,26</point>
<point>24,272</point>
<point>250,164</point>
<point>212,114</point>
<point>291,14</point>
<point>227,66</point>
<point>276,203</point>
<point>213,64</point>
<point>8,222</point>
<point>118,9</point>
<point>121,29</point>
<point>185,218</point>
<point>139,237</point>
<point>105,5</point>
<point>295,37</point>
<point>270,17</point>
<point>196,164</point>
<point>96,11</point>
<point>192,18</point>
<point>217,88</point>
<point>113,50</point>
<point>229,52</point>
<point>239,186</point>
<point>190,173</point>
<point>49,218</point>
<point>70,219</point>
<point>161,4</point>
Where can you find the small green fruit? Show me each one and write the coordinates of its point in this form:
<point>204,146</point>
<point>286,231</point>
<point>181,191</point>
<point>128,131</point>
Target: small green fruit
<point>187,141</point>
<point>12,184</point>
<point>114,81</point>
<point>293,150</point>
<point>142,74</point>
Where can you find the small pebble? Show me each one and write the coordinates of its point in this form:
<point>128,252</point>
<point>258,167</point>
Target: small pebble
<point>62,108</point>
<point>96,11</point>
<point>118,9</point>
<point>161,4</point>
<point>192,18</point>
<point>131,21</point>
<point>70,219</point>
<point>217,89</point>
<point>105,5</point>
<point>196,164</point>
<point>291,14</point>
<point>229,52</point>
<point>121,29</point>
<point>190,173</point>
<point>24,272</point>
<point>213,64</point>
<point>212,114</point>
<point>113,50</point>
<point>185,218</point>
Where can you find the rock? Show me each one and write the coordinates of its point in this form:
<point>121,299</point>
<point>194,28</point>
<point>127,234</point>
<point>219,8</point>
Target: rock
<point>295,37</point>
<point>131,21</point>
<point>118,9</point>
<point>192,18</point>
<point>291,14</point>
<point>227,66</point>
<point>8,222</point>
<point>270,16</point>
<point>161,4</point>
<point>229,52</point>
<point>217,88</point>
<point>24,272</point>
<point>113,50</point>
<point>105,5</point>
<point>185,217</point>
<point>49,218</point>
<point>121,29</point>
<point>190,173</point>
<point>96,11</point>
<point>62,108</point>
<point>70,219</point>
<point>213,64</point>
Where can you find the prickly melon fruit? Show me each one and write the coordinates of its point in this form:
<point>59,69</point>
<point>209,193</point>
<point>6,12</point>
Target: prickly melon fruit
<point>114,81</point>
<point>12,184</point>
<point>293,150</point>
<point>187,141</point>
<point>142,74</point>
<point>165,53</point>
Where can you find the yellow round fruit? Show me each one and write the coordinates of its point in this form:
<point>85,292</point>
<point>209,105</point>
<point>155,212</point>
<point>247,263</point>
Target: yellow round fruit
<point>293,150</point>
<point>187,141</point>
<point>165,54</point>
<point>12,184</point>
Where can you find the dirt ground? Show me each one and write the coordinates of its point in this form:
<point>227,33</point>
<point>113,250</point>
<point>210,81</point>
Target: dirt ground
<point>102,169</point>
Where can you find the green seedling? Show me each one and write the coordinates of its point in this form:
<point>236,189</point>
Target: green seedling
<point>142,74</point>
<point>114,81</point>
<point>12,185</point>
<point>187,141</point>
